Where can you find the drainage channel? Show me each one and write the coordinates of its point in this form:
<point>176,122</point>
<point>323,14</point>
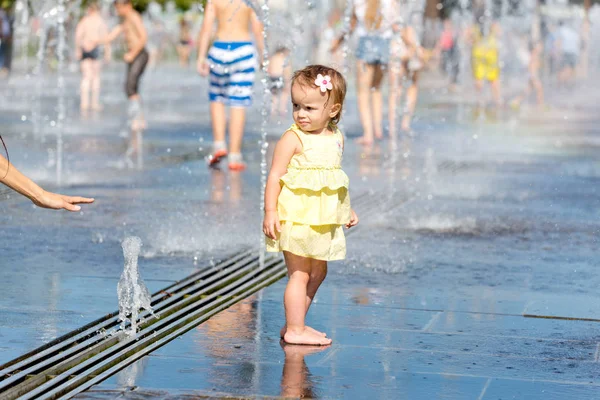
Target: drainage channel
<point>84,357</point>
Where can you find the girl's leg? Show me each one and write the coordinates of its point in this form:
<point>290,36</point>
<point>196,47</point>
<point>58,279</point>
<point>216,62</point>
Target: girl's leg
<point>411,101</point>
<point>299,271</point>
<point>479,89</point>
<point>395,93</point>
<point>86,80</point>
<point>364,79</point>
<point>318,273</point>
<point>377,100</point>
<point>496,92</point>
<point>97,66</point>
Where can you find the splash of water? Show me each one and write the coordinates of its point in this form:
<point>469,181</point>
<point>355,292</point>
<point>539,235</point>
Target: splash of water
<point>133,293</point>
<point>264,144</point>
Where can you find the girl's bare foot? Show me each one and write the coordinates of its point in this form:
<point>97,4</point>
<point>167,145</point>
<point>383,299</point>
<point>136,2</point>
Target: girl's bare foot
<point>308,328</point>
<point>364,141</point>
<point>305,337</point>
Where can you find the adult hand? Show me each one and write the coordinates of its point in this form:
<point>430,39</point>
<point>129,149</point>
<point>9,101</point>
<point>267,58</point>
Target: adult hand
<point>57,201</point>
<point>271,224</point>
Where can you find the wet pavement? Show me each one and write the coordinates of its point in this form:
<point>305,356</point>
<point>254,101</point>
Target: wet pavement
<point>475,281</point>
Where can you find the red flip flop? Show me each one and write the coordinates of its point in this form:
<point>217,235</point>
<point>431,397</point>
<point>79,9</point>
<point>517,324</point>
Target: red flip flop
<point>216,157</point>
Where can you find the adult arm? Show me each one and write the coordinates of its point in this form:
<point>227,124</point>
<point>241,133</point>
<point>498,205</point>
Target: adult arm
<point>204,38</point>
<point>287,146</point>
<point>11,177</point>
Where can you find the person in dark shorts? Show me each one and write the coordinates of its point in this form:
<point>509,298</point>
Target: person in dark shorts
<point>136,58</point>
<point>89,31</point>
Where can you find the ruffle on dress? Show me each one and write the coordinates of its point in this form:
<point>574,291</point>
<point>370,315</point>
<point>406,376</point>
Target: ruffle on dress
<point>315,178</point>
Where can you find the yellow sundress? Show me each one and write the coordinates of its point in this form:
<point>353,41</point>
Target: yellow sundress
<point>485,58</point>
<point>314,204</point>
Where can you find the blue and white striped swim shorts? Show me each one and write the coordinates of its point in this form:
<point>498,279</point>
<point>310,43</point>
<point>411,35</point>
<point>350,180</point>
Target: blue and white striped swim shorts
<point>232,70</point>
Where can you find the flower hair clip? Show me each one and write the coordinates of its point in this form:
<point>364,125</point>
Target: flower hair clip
<point>324,82</point>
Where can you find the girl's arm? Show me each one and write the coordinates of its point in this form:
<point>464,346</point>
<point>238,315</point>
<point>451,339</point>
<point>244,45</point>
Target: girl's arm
<point>204,38</point>
<point>287,146</point>
<point>257,31</point>
<point>25,186</point>
<point>353,216</point>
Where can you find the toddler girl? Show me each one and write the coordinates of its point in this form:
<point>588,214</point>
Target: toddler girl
<point>306,198</point>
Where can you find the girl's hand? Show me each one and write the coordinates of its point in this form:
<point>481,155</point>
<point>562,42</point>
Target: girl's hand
<point>353,220</point>
<point>59,201</point>
<point>271,224</point>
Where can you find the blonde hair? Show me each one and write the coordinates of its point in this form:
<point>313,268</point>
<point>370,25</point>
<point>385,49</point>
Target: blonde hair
<point>373,15</point>
<point>306,78</point>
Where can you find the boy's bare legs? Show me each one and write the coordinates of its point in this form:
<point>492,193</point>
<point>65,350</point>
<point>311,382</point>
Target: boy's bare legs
<point>136,114</point>
<point>364,80</point>
<point>86,81</point>
<point>299,271</point>
<point>237,120</point>
<point>318,273</point>
<point>219,123</point>
<point>411,101</point>
<point>377,100</point>
<point>96,67</point>
<point>283,99</point>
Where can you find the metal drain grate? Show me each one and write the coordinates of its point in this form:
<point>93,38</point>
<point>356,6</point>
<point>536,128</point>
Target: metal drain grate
<point>82,358</point>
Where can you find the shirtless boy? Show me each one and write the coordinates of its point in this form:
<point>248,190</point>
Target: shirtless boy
<point>136,57</point>
<point>231,63</point>
<point>90,30</point>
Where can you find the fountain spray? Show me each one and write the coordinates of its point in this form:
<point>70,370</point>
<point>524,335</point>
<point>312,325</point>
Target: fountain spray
<point>132,291</point>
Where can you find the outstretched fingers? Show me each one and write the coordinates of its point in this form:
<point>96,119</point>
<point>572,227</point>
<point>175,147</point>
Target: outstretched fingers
<point>70,202</point>
<point>78,199</point>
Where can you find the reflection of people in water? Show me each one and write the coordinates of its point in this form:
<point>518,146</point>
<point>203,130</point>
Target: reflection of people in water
<point>237,324</point>
<point>296,378</point>
<point>220,186</point>
<point>134,156</point>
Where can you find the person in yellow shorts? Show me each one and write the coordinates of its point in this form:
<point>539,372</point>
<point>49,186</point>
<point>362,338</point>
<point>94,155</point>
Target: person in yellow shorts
<point>485,60</point>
